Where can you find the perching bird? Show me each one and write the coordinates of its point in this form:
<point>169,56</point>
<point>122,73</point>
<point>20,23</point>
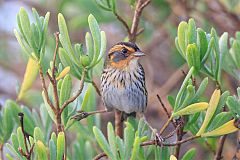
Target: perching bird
<point>123,79</point>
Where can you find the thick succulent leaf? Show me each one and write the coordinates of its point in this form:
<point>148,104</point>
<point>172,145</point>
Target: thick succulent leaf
<point>103,142</point>
<point>210,111</point>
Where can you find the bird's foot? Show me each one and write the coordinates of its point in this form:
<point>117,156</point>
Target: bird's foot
<point>81,115</point>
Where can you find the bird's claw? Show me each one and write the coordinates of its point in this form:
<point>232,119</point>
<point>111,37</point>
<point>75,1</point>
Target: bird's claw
<point>80,116</point>
<point>159,139</point>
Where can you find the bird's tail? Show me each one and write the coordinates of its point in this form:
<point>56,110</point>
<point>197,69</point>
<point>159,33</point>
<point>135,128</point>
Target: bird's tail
<point>126,115</point>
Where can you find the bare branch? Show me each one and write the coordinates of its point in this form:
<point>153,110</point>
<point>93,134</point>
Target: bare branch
<point>138,11</point>
<point>45,89</point>
<point>123,22</point>
<point>153,142</point>
<point>77,94</point>
<point>218,155</point>
<point>96,88</point>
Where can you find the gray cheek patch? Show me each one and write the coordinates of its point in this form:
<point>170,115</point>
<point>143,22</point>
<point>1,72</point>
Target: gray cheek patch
<point>118,56</point>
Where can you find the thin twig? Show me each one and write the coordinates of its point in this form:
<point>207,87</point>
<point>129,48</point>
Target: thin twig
<point>66,103</point>
<point>54,81</point>
<point>179,138</point>
<point>123,22</point>
<point>172,133</point>
<point>153,142</point>
<point>137,14</point>
<point>21,116</point>
<point>165,125</point>
<point>96,88</point>
<point>99,156</point>
<point>165,109</point>
<point>218,155</point>
<point>45,89</point>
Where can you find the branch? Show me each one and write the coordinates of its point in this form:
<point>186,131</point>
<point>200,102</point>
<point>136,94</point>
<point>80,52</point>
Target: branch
<point>53,78</point>
<point>218,155</point>
<point>96,88</point>
<point>153,142</point>
<point>99,156</point>
<point>141,4</point>
<point>70,100</point>
<point>45,89</point>
<point>165,109</point>
<point>123,22</point>
<point>83,114</point>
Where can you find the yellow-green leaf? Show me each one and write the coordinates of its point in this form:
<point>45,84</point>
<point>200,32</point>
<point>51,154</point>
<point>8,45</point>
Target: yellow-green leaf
<point>29,77</point>
<point>226,128</point>
<point>41,150</point>
<point>191,109</point>
<point>60,145</point>
<point>63,73</point>
<point>172,157</point>
<point>210,111</point>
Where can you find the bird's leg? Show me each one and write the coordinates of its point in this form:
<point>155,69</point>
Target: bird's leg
<point>82,114</point>
<point>159,139</point>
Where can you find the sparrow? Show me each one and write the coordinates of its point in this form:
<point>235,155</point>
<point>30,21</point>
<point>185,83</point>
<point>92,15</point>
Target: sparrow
<point>123,79</point>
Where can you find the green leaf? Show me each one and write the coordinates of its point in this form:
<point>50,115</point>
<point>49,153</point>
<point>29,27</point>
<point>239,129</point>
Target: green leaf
<point>190,154</point>
<point>234,106</point>
<point>41,150</point>
<point>25,24</point>
<point>89,45</point>
<point>192,35</point>
<point>50,111</point>
<point>120,146</point>
<point>219,120</point>
<point>128,140</point>
<point>95,31</point>
<point>65,94</point>
<point>209,50</point>
<point>182,36</point>
<point>103,47</point>
<point>193,57</point>
<point>60,145</point>
<point>201,89</point>
<point>64,38</point>
<point>14,140</point>
<point>8,123</point>
<point>103,142</point>
<point>11,149</point>
<point>21,139</point>
<point>191,109</point>
<point>38,135</point>
<point>136,148</point>
<point>202,42</point>
<point>52,150</point>
<point>21,43</point>
<point>112,140</point>
<point>182,89</point>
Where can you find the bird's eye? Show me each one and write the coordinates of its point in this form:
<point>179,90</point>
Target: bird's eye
<point>124,50</point>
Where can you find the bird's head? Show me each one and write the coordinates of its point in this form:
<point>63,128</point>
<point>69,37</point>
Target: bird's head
<point>124,54</point>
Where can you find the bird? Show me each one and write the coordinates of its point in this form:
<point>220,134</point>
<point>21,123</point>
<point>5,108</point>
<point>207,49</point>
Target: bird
<point>123,84</point>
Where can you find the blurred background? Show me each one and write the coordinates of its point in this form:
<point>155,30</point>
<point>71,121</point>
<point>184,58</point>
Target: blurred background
<point>163,65</point>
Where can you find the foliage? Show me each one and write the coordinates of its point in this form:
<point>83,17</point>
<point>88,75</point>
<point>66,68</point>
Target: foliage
<point>42,133</point>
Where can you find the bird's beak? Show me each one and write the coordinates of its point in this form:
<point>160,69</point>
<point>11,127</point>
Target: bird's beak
<point>139,54</point>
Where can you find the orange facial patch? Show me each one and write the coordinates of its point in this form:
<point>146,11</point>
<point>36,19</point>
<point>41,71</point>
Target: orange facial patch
<point>120,47</point>
<point>123,63</point>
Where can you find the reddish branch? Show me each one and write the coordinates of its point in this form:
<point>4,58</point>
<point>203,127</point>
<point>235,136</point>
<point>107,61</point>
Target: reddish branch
<point>141,4</point>
<point>118,123</point>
